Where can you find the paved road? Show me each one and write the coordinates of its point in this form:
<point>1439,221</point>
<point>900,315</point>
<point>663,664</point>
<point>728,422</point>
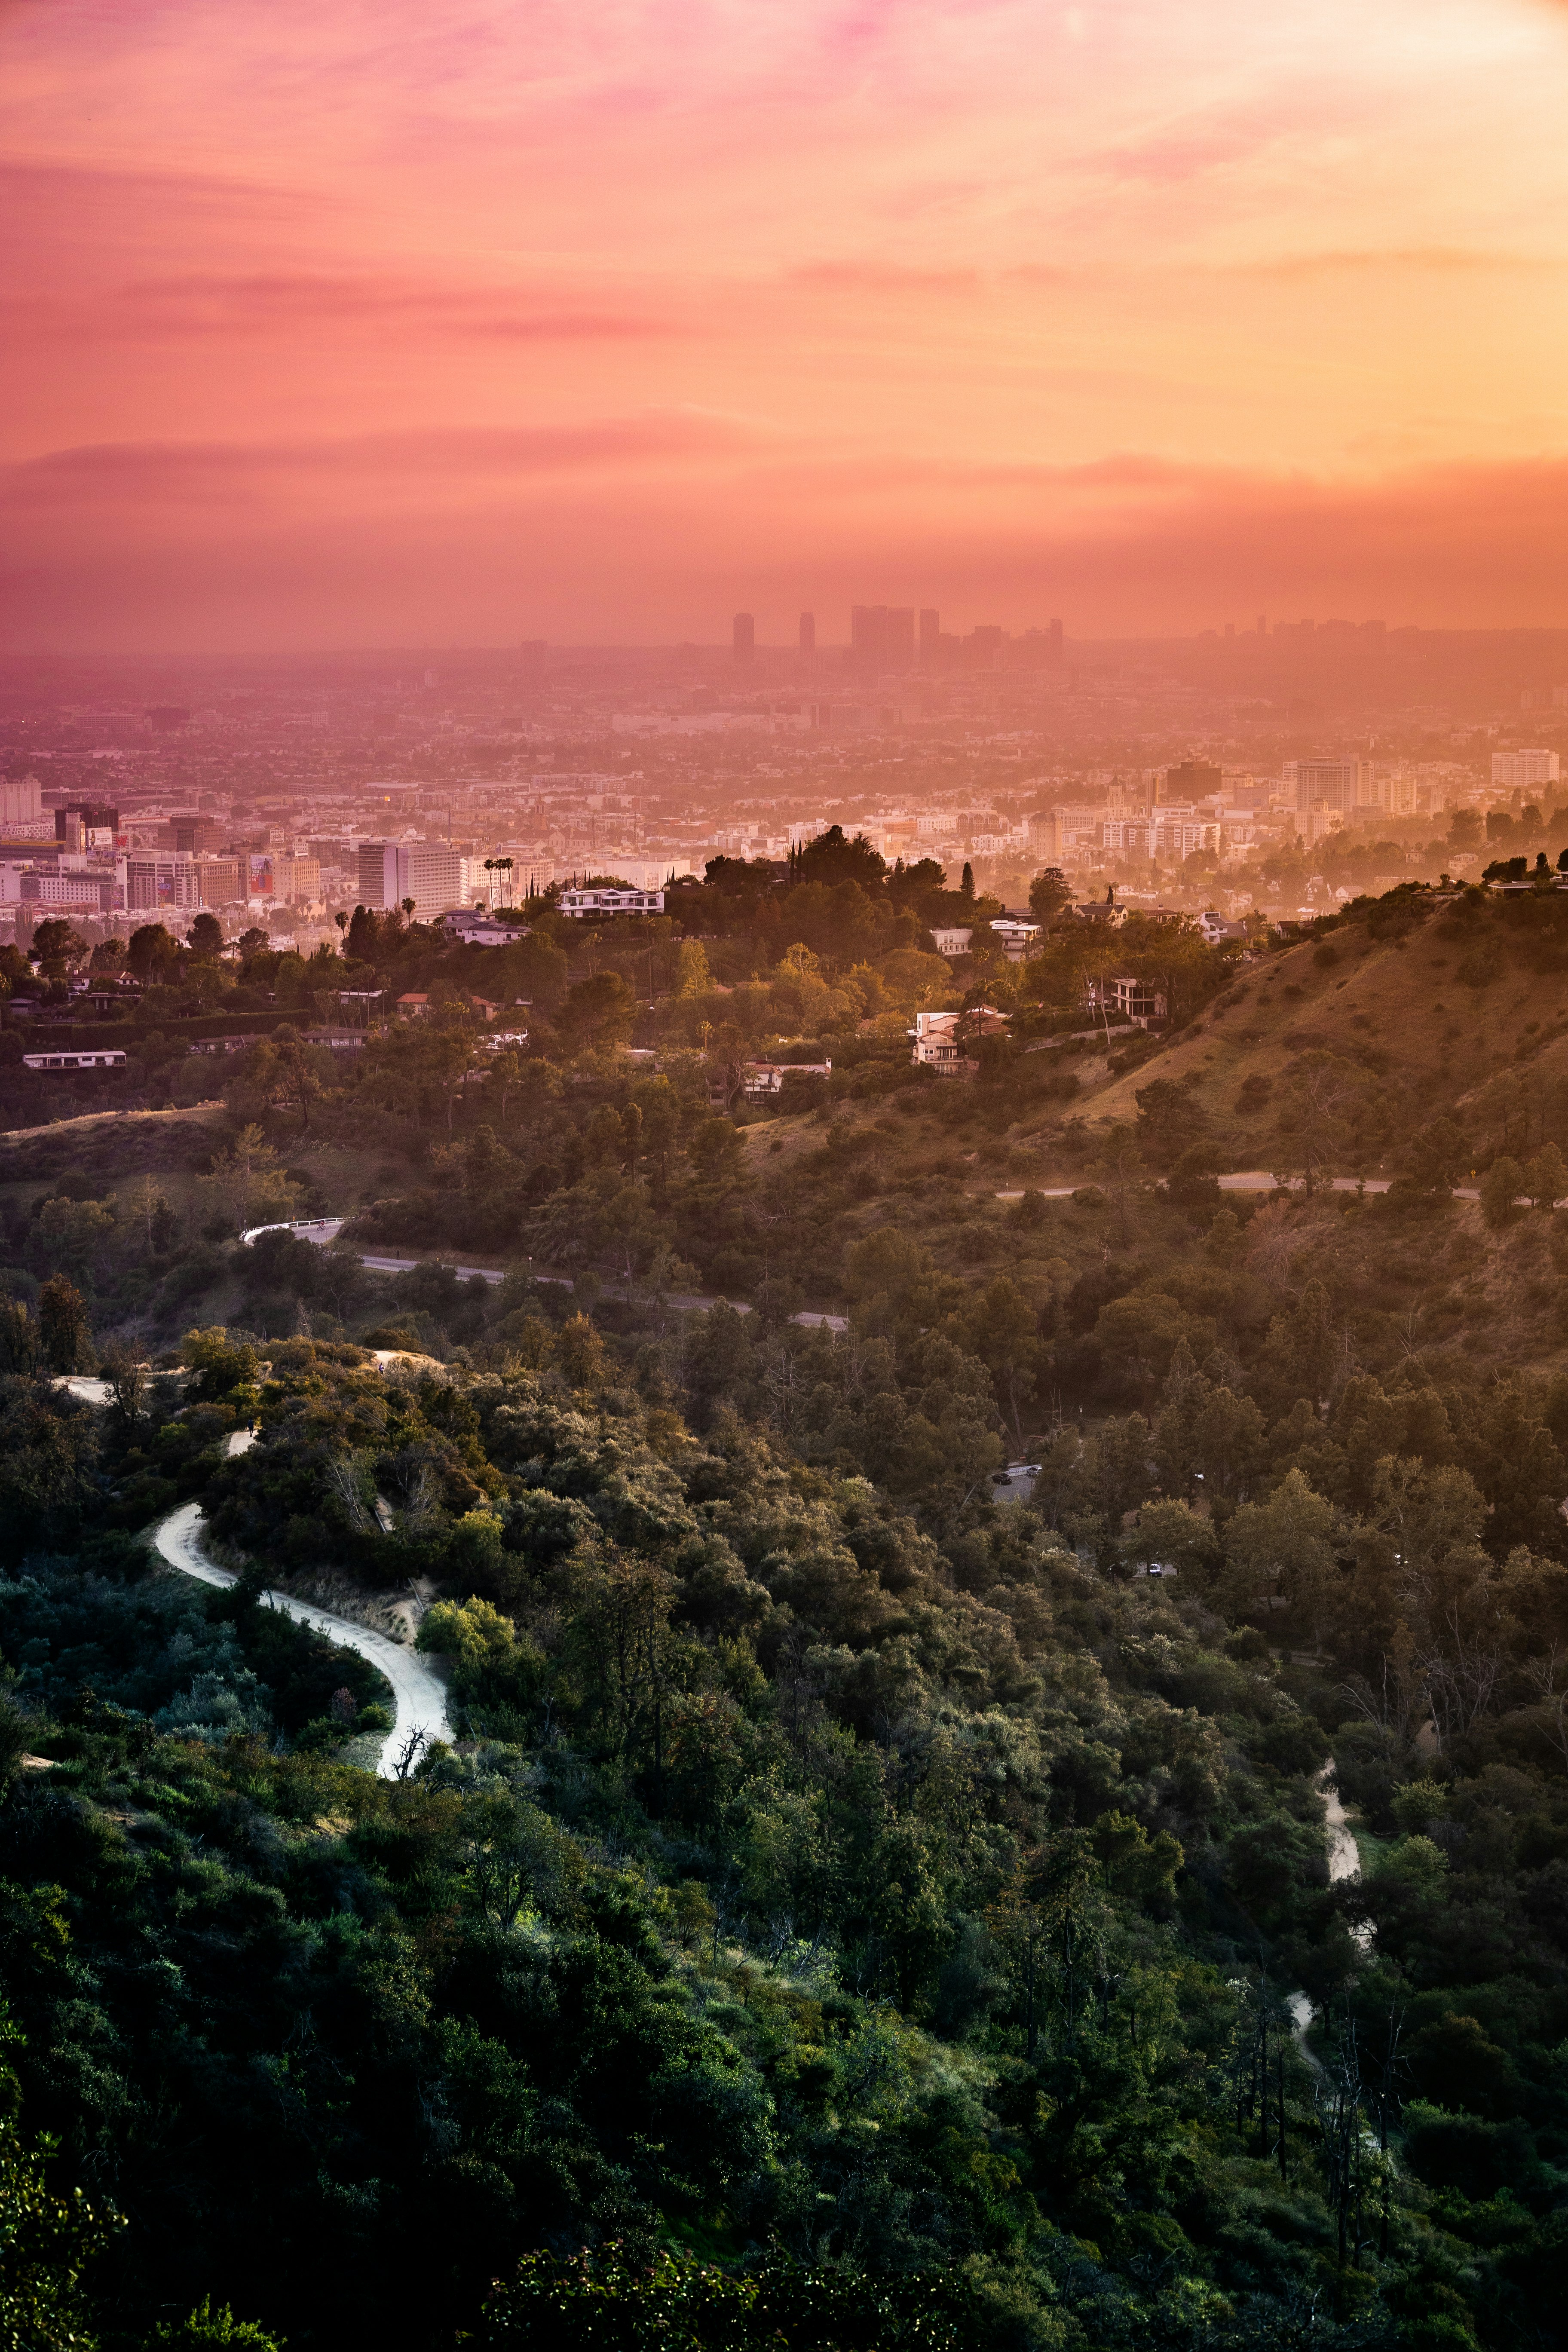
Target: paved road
<point>322,1230</point>
<point>1258,1180</point>
<point>419,1695</point>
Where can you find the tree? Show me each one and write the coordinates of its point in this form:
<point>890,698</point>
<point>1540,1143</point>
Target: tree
<point>1285,1546</point>
<point>247,1186</point>
<point>154,952</point>
<point>58,946</point>
<point>692,977</point>
<point>205,2326</point>
<point>127,1378</point>
<point>1312,1133</point>
<point>832,859</point>
<point>966,881</point>
<point>299,1083</point>
<point>1430,1161</point>
<point>20,1339</point>
<point>1499,1190</point>
<point>1119,1165</point>
<point>596,1014</point>
<point>63,1329</point>
<point>206,935</point>
<point>1049,892</point>
<point>1546,1178</point>
<point>47,2243</point>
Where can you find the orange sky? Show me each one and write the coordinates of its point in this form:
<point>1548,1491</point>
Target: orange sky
<point>351,323</point>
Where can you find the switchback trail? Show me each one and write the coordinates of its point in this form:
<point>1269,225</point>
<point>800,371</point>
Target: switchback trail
<point>417,1691</point>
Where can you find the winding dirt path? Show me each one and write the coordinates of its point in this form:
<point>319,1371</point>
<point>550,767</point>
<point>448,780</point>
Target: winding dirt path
<point>1344,1861</point>
<point>419,1695</point>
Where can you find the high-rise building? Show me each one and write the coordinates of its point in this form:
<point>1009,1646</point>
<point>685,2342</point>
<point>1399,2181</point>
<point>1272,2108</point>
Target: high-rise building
<point>808,632</point>
<point>195,835</point>
<point>21,801</point>
<point>931,631</point>
<point>161,880</point>
<point>1056,633</point>
<point>221,880</point>
<point>433,876</point>
<point>1517,771</point>
<point>882,636</point>
<point>867,631</point>
<point>743,636</point>
<point>86,825</point>
<point>1193,780</point>
<point>1338,783</point>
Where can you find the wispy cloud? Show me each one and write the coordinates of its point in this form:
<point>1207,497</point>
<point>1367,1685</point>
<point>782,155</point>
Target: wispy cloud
<point>155,471</point>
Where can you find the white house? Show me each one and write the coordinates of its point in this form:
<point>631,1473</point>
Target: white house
<point>941,1038</point>
<point>586,904</point>
<point>113,1060</point>
<point>1122,997</point>
<point>764,1079</point>
<point>952,942</point>
<point>476,929</point>
<point>1017,936</point>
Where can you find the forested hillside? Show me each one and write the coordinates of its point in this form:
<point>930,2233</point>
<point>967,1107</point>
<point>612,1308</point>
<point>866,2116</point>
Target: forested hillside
<point>853,1907</point>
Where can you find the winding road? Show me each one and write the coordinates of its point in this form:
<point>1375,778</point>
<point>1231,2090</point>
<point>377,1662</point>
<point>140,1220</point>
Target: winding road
<point>418,1692</point>
<point>324,1230</point>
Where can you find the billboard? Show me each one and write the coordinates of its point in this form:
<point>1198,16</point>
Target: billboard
<point>260,882</point>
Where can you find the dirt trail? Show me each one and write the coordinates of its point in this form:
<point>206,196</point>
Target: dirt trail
<point>419,1695</point>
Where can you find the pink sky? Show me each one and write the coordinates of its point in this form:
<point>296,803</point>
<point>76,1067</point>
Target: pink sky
<point>350,324</point>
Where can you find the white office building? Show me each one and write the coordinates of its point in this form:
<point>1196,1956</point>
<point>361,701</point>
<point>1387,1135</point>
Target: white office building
<point>1521,771</point>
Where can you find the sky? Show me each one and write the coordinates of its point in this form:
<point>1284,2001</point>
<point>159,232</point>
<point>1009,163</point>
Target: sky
<point>357,322</point>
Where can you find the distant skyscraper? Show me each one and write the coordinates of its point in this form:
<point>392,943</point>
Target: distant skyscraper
<point>883,636</point>
<point>867,631</point>
<point>743,638</point>
<point>808,632</point>
<point>931,631</point>
<point>1055,641</point>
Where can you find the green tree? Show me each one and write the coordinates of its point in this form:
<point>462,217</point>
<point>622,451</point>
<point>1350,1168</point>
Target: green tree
<point>48,2245</point>
<point>63,1331</point>
<point>596,1014</point>
<point>206,935</point>
<point>1499,1190</point>
<point>1049,892</point>
<point>205,2326</point>
<point>153,954</point>
<point>58,947</point>
<point>1283,1549</point>
<point>1312,1132</point>
<point>692,977</point>
<point>1546,1178</point>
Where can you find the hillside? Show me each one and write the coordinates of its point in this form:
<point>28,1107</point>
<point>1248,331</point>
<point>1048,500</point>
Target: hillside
<point>882,1890</point>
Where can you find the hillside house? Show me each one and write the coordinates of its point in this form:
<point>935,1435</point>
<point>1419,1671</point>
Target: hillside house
<point>765,1080</point>
<point>941,1039</point>
<point>1122,996</point>
<point>584,905</point>
<point>1017,934</point>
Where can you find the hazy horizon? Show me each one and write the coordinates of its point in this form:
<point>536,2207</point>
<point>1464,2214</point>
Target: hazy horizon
<point>344,329</point>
